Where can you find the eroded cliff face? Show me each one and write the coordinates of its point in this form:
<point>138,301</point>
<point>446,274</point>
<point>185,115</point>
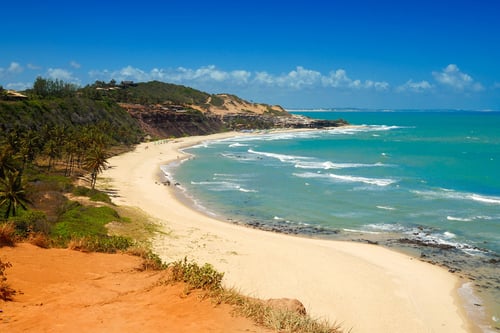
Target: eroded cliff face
<point>167,120</point>
<point>159,122</point>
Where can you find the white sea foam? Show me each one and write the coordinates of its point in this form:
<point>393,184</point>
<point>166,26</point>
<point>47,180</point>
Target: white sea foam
<point>386,207</point>
<point>371,181</point>
<point>361,231</point>
<point>281,157</point>
<point>346,178</point>
<point>310,175</point>
<point>241,189</point>
<point>451,194</point>
<point>386,227</point>
<point>237,144</point>
<point>331,165</point>
<point>461,219</point>
<point>485,199</point>
<point>219,186</point>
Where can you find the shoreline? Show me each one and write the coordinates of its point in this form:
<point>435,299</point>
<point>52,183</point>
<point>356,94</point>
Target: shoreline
<point>365,287</point>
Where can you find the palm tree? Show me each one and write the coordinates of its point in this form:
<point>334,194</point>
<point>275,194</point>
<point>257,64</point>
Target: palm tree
<point>7,161</point>
<point>12,193</point>
<point>95,162</point>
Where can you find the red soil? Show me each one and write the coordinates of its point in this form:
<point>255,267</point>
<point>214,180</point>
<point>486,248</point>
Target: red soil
<point>60,290</point>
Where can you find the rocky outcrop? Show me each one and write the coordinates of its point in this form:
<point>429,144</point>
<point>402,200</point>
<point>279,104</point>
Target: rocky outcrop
<point>287,304</point>
<point>164,121</point>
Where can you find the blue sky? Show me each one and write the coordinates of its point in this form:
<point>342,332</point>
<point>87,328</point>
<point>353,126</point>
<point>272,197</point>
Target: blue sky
<point>368,54</point>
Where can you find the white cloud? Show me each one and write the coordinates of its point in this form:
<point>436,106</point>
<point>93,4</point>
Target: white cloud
<point>340,79</point>
<point>62,74</point>
<point>15,68</point>
<point>74,64</point>
<point>177,75</point>
<point>451,76</point>
<point>299,78</point>
<point>417,87</point>
<point>19,85</point>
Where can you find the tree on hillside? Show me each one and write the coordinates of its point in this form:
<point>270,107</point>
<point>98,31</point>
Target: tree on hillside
<point>45,88</point>
<point>12,193</point>
<point>7,161</point>
<point>95,162</point>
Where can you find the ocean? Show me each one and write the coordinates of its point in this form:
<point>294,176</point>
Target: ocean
<point>427,182</point>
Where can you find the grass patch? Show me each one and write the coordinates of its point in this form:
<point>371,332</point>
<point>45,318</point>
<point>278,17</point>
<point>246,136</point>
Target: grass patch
<point>93,194</point>
<point>82,221</point>
<point>137,224</point>
<point>279,319</point>
<point>83,228</point>
<point>104,244</point>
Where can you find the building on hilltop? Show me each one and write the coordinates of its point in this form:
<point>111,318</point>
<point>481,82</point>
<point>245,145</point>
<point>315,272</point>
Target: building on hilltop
<point>12,95</point>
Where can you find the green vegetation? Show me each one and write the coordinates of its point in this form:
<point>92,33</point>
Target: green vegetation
<point>275,112</point>
<point>46,88</point>
<point>48,141</point>
<point>12,193</point>
<point>93,194</point>
<point>153,92</point>
<point>196,277</point>
<point>80,221</point>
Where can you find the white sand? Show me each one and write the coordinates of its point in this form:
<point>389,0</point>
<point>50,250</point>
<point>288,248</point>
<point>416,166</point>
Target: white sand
<point>363,287</point>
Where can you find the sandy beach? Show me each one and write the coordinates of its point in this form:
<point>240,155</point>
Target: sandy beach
<point>363,287</point>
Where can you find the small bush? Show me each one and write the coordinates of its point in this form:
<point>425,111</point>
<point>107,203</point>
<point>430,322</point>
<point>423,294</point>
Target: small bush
<point>6,292</point>
<point>7,234</point>
<point>204,277</point>
<point>39,239</point>
<point>151,260</point>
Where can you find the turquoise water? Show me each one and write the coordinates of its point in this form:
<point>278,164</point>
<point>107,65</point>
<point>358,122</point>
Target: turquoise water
<point>434,173</point>
<point>431,177</point>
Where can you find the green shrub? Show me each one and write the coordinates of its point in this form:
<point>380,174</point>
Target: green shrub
<point>204,277</point>
<point>31,221</point>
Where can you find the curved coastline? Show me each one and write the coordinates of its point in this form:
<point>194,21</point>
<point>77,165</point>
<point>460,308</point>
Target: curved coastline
<point>366,288</point>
